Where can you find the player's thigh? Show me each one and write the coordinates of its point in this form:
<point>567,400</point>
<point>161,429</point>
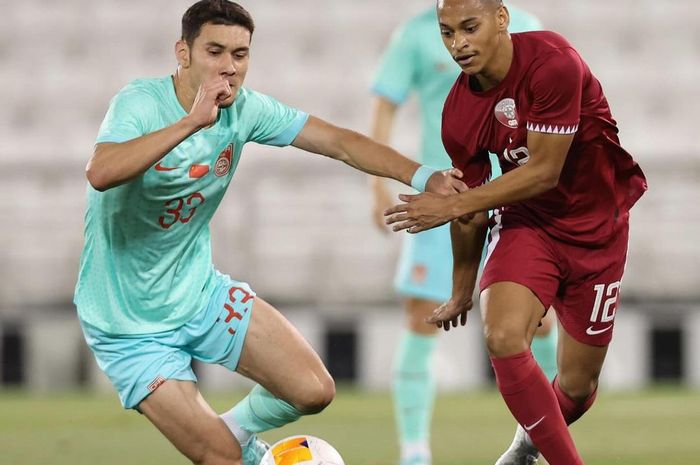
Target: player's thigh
<point>417,310</point>
<point>586,308</point>
<point>178,410</point>
<point>587,302</point>
<point>278,357</point>
<point>511,313</point>
<point>520,279</point>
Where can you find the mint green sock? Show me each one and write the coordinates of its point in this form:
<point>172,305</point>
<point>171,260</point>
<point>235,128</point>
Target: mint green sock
<point>261,411</point>
<point>414,387</point>
<point>545,351</point>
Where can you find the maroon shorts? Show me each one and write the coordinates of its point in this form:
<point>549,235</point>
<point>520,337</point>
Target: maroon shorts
<point>582,284</point>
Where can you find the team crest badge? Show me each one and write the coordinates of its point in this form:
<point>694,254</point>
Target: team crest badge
<point>223,163</point>
<point>506,114</point>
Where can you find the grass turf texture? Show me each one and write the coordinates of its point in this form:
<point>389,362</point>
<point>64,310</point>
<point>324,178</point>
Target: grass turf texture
<point>645,428</point>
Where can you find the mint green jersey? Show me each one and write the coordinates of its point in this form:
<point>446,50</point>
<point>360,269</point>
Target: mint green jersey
<point>417,60</point>
<point>146,265</point>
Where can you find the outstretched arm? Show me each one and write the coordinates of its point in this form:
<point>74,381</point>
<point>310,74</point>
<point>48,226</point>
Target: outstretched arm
<point>540,174</point>
<point>369,156</point>
<point>383,114</point>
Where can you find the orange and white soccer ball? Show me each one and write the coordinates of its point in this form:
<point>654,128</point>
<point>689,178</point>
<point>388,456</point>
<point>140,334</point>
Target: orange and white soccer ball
<point>302,450</point>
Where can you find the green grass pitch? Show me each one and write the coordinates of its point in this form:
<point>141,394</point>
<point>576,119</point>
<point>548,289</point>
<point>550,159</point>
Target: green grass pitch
<point>658,426</point>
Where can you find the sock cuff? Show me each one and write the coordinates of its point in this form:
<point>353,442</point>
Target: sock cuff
<point>515,372</point>
<point>590,399</point>
<point>569,408</point>
<point>260,411</point>
<point>567,403</point>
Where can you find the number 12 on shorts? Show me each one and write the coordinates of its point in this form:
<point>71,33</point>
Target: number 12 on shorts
<point>605,302</point>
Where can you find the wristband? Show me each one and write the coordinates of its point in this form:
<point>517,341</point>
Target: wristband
<point>420,177</point>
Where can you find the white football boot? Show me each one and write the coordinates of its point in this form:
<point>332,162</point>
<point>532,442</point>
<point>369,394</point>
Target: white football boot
<point>521,451</point>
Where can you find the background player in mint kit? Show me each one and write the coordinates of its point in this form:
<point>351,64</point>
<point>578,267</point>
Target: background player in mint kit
<point>559,232</point>
<point>416,60</point>
<point>148,297</point>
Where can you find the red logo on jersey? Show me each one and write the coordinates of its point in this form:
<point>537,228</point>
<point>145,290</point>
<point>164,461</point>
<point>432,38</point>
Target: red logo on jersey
<point>160,167</point>
<point>198,171</point>
<point>223,163</point>
<point>506,114</point>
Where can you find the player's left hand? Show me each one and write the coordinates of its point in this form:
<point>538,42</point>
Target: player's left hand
<point>421,212</point>
<point>453,312</point>
<point>446,182</point>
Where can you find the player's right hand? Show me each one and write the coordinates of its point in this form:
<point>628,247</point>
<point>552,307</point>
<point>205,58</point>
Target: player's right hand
<point>205,108</point>
<point>453,312</point>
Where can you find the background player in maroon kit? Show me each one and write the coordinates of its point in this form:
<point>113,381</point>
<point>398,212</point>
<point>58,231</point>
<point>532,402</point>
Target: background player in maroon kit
<point>559,232</point>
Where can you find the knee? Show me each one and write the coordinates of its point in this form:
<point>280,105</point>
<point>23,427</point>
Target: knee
<point>503,343</point>
<point>317,396</point>
<point>578,386</point>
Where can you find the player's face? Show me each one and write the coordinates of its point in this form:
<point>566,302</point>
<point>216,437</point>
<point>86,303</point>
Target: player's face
<point>218,51</point>
<point>472,31</point>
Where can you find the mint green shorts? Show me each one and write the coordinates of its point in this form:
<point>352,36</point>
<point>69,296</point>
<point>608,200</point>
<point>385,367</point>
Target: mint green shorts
<point>424,270</point>
<point>137,364</point>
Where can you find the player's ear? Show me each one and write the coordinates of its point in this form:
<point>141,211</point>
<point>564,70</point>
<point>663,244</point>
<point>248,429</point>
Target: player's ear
<point>182,53</point>
<point>503,18</point>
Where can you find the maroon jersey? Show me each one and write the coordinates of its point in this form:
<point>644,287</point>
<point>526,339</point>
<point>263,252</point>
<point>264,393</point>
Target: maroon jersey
<point>549,89</point>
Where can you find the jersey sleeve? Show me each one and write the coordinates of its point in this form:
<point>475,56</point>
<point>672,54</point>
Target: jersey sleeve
<point>556,88</point>
<point>129,116</point>
<point>396,73</point>
<point>274,122</point>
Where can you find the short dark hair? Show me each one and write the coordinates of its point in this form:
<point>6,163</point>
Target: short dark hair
<point>214,12</point>
<point>495,4</point>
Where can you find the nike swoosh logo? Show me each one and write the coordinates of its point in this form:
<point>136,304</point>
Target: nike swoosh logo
<point>592,332</point>
<point>160,167</point>
<point>530,427</point>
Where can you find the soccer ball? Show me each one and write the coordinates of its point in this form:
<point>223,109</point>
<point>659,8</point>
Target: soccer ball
<point>302,450</point>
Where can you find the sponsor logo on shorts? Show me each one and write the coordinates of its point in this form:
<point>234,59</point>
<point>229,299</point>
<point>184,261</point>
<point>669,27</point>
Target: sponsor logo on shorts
<point>506,113</point>
<point>593,332</point>
<point>234,298</point>
<point>155,384</point>
<point>223,163</point>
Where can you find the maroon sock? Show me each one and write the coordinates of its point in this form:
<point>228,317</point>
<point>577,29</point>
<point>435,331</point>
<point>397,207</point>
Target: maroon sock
<point>570,409</point>
<point>534,405</point>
